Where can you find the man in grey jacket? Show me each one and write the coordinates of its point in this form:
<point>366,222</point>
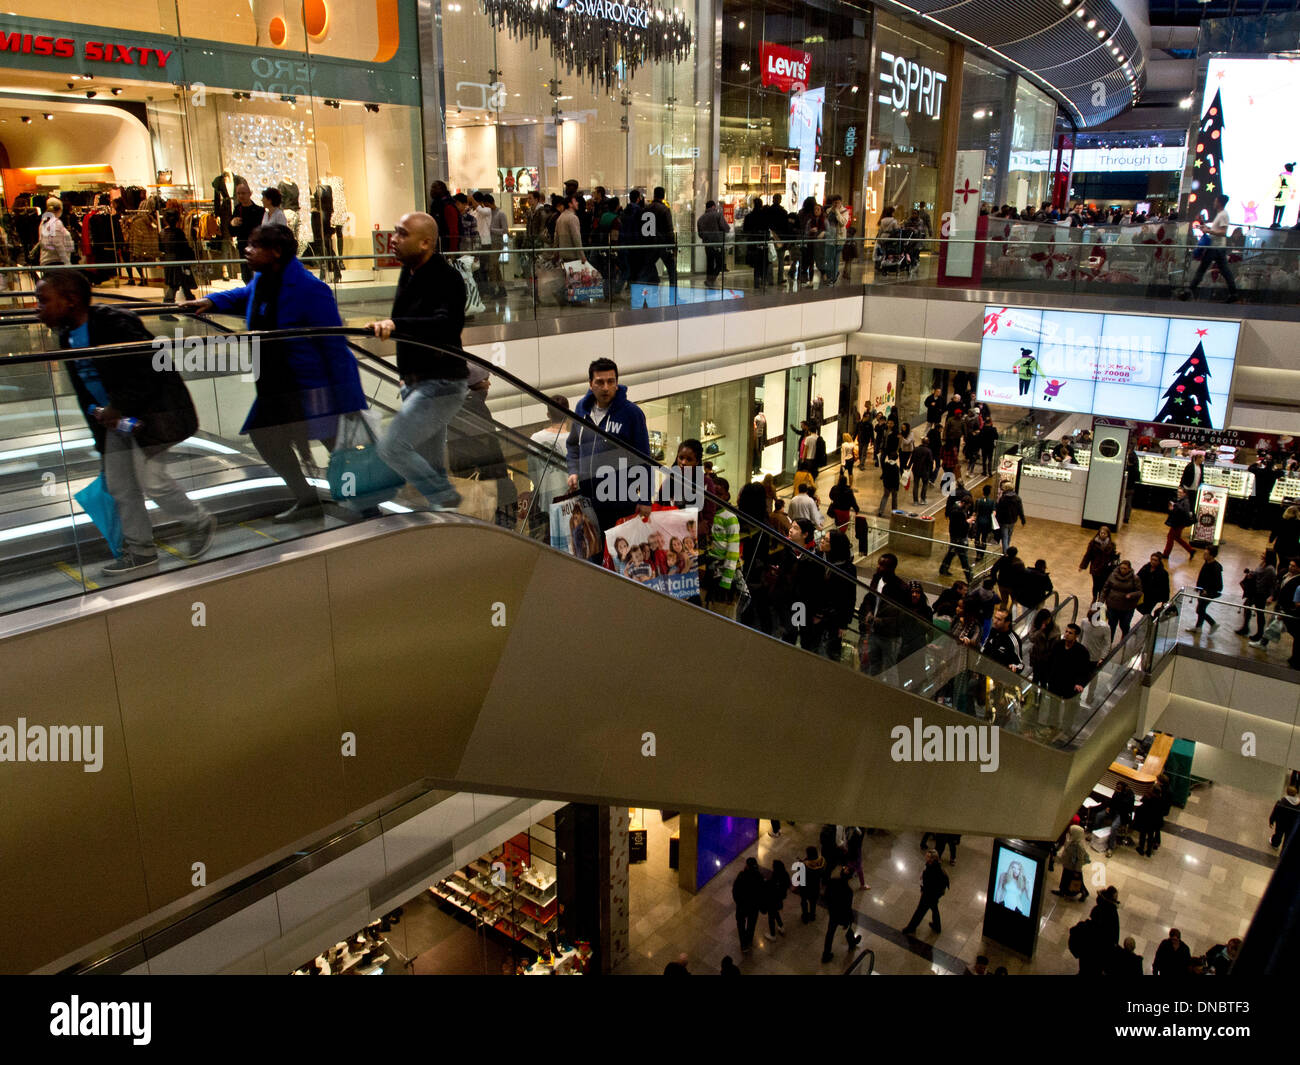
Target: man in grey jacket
<point>498,226</point>
<point>713,230</point>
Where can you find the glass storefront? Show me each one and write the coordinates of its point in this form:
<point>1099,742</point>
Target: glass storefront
<point>793,112</point>
<point>910,110</point>
<point>1033,130</point>
<point>322,105</point>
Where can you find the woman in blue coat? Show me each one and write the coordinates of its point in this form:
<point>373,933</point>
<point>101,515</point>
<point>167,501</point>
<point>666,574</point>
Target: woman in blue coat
<point>303,384</point>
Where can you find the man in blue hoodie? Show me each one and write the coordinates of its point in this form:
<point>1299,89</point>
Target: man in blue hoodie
<point>598,468</point>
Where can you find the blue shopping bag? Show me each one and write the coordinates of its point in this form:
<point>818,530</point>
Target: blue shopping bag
<point>96,500</point>
<point>358,477</point>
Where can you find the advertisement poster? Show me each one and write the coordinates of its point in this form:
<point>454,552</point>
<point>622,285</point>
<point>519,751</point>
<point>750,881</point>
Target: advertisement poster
<point>661,553</point>
<point>965,214</point>
<point>1173,371</point>
<point>784,68</point>
<point>1242,149</point>
<point>574,528</point>
<point>518,179</point>
<point>1211,506</point>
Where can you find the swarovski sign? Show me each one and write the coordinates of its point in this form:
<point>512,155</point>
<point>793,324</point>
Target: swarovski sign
<point>912,86</point>
<point>611,11</point>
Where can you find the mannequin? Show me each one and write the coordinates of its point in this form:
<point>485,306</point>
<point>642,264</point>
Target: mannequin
<point>223,197</point>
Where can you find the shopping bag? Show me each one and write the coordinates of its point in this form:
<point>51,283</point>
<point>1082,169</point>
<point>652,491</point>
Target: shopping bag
<point>473,301</point>
<point>1274,630</point>
<point>96,500</point>
<point>574,528</point>
<point>1205,241</point>
<point>478,498</point>
<point>582,282</point>
<point>905,481</point>
<point>358,477</point>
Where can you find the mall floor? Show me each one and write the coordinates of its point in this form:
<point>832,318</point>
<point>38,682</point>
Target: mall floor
<point>1206,880</point>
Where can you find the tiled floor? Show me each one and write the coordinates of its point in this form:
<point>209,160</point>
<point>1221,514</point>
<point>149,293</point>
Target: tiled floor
<point>1202,887</point>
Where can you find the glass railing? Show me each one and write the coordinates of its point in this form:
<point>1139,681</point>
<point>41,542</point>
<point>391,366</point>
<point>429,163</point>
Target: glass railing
<point>292,477</point>
<point>1226,625</point>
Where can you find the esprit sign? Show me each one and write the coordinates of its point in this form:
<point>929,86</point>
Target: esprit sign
<point>92,51</point>
<point>912,86</point>
<point>785,68</point>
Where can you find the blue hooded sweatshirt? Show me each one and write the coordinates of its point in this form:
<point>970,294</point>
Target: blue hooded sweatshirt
<point>589,452</point>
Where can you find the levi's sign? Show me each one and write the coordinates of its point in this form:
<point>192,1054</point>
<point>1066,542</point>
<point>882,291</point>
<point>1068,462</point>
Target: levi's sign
<point>911,85</point>
<point>92,51</point>
<point>785,68</point>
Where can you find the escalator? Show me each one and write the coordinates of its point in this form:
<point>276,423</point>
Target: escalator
<point>246,703</point>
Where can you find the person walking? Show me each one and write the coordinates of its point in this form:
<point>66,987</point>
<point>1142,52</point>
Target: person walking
<point>176,249</point>
<point>306,382</point>
<point>890,474</point>
<point>1285,816</point>
<point>1216,254</point>
<point>848,455</point>
<point>810,890</point>
<point>245,216</point>
<point>593,459</point>
<point>934,883</point>
<point>757,239</point>
<point>1155,584</point>
<point>958,512</point>
<point>839,913</point>
<point>1074,857</point>
<point>665,237</point>
<point>1008,511</point>
<point>1173,957</point>
<point>1100,559</point>
<point>430,306</point>
<point>54,239</point>
<point>1121,594</point>
<point>1262,584</point>
<point>135,413</point>
<point>844,503</point>
<point>1180,517</point>
<point>777,888</point>
<point>713,229</point>
<point>922,470</point>
<point>1103,928</point>
<point>854,837</point>
<point>747,892</point>
<point>1209,586</point>
<point>1149,819</point>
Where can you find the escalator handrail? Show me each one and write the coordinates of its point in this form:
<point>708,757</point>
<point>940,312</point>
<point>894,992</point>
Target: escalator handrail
<point>983,665</point>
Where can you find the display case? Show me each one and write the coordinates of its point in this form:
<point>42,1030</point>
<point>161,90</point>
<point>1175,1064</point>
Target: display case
<point>1163,471</point>
<point>1285,490</point>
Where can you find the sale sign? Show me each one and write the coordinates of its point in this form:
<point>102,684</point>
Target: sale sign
<point>785,68</point>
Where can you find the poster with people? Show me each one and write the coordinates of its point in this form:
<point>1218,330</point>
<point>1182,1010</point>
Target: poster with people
<point>574,528</point>
<point>661,552</point>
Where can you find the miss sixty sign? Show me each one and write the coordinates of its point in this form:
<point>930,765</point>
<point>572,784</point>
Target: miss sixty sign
<point>94,51</point>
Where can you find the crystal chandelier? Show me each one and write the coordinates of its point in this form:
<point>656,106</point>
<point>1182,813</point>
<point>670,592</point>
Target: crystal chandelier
<point>607,40</point>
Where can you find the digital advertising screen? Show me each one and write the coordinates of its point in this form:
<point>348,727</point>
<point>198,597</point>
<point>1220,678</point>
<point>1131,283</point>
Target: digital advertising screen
<point>1015,891</point>
<point>1243,149</point>
<point>1148,368</point>
<point>1014,878</point>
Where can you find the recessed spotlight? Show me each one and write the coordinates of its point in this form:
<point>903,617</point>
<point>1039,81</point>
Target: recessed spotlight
<point>91,94</point>
<point>742,24</point>
<point>27,118</point>
<point>980,113</point>
<point>47,116</point>
<point>1185,104</point>
<point>1092,23</point>
<point>1079,13</point>
<point>116,92</point>
<point>373,108</point>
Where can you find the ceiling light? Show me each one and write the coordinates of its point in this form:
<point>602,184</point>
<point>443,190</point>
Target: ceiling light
<point>742,24</point>
<point>116,92</point>
<point>27,118</point>
<point>1185,104</point>
<point>48,117</point>
<point>1092,23</point>
<point>980,113</point>
<point>91,94</point>
<point>1079,13</point>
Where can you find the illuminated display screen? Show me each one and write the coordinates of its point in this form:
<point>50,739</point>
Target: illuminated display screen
<point>1145,367</point>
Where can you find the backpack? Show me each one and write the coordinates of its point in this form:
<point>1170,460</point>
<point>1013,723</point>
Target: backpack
<point>1080,938</point>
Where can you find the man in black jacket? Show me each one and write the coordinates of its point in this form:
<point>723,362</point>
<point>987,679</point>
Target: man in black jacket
<point>429,306</point>
<point>747,892</point>
<point>934,882</point>
<point>137,407</point>
<point>1008,511</point>
<point>959,525</point>
<point>839,909</point>
<point>879,614</point>
<point>665,237</point>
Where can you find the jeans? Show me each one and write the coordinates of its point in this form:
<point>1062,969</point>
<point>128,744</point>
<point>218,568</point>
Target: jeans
<point>919,484</point>
<point>882,653</point>
<point>419,430</point>
<point>1004,534</point>
<point>887,497</point>
<point>833,925</point>
<point>1209,257</point>
<point>280,447</point>
<point>1203,613</point>
<point>130,475</point>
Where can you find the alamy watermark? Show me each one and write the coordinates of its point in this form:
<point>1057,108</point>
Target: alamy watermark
<point>635,483</point>
<point>209,354</point>
<point>77,1018</point>
<point>918,742</point>
<point>57,743</point>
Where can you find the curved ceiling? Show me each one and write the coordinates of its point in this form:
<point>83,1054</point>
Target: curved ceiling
<point>1083,52</point>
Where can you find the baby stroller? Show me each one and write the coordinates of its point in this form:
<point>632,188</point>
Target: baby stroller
<point>899,253</point>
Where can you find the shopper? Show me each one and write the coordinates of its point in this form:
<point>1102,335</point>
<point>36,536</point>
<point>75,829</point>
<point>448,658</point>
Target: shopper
<point>747,892</point>
<point>272,213</point>
<point>1100,559</point>
<point>1285,536</point>
<point>1180,517</point>
<point>1215,254</point>
<point>958,512</point>
<point>305,382</point>
<point>922,470</point>
<point>890,473</point>
<point>757,240</point>
<point>880,617</point>
<point>548,462</point>
<point>848,455</point>
<point>1121,594</point>
<point>593,459</point>
<point>1075,857</point>
<point>474,453</point>
<point>1068,664</point>
<point>984,508</point>
<point>1173,958</point>
<point>55,240</point>
<point>1155,584</point>
<point>777,889</point>
<point>1008,573</point>
<point>1259,585</point>
<point>839,913</point>
<point>988,439</point>
<point>1009,510</point>
<point>844,503</point>
<point>810,890</point>
<point>1209,586</point>
<point>1284,817</point>
<point>1125,960</point>
<point>934,883</point>
<point>854,837</point>
<point>245,217</point>
<point>1105,919</point>
<point>1148,819</point>
<point>135,414</point>
<point>498,228</point>
<point>1042,634</point>
<point>713,229</point>
<point>803,507</point>
<point>429,306</point>
<point>1035,585</point>
<point>176,249</point>
<point>664,240</point>
<point>442,207</point>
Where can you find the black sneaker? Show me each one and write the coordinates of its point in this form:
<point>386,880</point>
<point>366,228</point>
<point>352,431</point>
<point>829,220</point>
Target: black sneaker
<point>129,563</point>
<point>200,538</point>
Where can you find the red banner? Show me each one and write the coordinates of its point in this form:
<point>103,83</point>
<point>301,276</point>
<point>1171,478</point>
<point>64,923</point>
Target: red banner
<point>785,68</point>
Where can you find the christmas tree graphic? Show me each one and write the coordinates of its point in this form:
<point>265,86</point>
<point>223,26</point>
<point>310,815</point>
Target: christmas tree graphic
<point>1207,167</point>
<point>1187,399</point>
